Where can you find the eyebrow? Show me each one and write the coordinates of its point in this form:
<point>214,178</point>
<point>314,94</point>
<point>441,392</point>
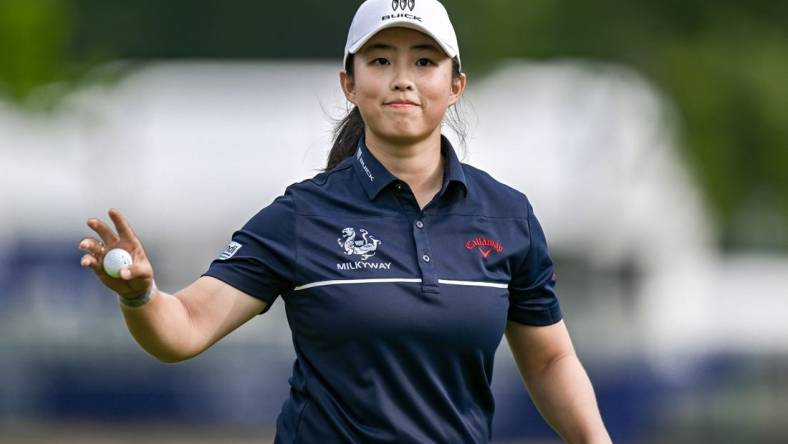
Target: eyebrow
<point>421,47</point>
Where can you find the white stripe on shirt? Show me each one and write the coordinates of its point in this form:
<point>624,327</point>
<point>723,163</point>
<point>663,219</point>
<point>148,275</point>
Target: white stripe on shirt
<point>393,280</point>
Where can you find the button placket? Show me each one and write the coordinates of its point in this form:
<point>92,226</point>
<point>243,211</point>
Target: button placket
<point>429,278</point>
<point>405,197</point>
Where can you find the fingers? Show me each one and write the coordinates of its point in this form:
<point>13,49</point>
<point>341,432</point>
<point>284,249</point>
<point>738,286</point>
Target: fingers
<point>90,261</point>
<point>92,246</point>
<point>103,230</point>
<point>124,229</point>
<point>95,250</point>
<point>87,260</point>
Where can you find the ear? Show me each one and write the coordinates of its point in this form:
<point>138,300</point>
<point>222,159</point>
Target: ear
<point>457,88</point>
<point>348,86</point>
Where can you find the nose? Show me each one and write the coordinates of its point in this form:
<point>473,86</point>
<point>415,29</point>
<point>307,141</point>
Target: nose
<point>402,85</point>
<point>402,81</point>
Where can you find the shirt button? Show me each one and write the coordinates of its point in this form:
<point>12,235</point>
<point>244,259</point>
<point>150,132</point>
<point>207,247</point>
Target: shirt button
<point>398,187</point>
<point>420,224</point>
<point>426,258</point>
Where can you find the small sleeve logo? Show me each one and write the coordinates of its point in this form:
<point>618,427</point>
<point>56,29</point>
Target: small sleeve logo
<point>230,251</point>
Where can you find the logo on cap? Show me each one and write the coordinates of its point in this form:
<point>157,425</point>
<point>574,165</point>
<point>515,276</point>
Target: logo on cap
<point>402,4</point>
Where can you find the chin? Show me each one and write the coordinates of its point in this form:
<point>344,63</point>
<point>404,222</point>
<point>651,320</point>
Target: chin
<point>402,136</point>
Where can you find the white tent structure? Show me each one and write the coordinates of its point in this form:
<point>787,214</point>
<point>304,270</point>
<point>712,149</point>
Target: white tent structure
<point>189,151</point>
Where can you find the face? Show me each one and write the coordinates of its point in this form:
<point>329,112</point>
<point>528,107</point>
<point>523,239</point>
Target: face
<point>402,84</point>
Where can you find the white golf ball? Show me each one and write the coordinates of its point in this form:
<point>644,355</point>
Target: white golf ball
<point>116,260</point>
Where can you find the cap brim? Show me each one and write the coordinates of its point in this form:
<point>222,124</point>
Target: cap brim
<point>399,23</point>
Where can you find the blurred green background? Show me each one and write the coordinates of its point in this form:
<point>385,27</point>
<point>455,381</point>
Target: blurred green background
<point>724,64</point>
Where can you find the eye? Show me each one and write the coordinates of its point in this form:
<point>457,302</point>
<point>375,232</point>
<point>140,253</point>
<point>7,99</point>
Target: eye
<point>380,61</point>
<point>424,62</point>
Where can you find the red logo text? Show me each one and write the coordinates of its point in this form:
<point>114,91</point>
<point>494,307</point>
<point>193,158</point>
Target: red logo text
<point>485,246</point>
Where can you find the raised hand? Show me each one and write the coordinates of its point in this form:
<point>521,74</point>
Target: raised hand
<point>132,281</point>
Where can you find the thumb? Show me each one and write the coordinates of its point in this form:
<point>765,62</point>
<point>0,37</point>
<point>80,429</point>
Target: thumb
<point>135,271</point>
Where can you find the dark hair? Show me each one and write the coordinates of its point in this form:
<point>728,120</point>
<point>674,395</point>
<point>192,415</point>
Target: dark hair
<point>348,130</point>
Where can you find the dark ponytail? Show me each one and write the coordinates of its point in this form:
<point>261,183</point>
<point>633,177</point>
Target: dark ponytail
<point>349,130</point>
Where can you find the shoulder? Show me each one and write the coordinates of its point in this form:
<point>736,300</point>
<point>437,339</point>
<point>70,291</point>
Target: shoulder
<point>500,198</point>
<point>339,175</point>
<point>301,197</point>
<point>322,193</point>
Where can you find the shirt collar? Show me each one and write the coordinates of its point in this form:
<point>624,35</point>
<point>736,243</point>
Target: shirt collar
<point>375,177</point>
<point>452,171</point>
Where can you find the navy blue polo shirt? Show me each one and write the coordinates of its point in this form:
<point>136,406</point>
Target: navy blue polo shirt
<point>395,311</point>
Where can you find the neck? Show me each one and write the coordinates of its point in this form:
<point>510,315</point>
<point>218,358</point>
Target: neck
<point>419,163</point>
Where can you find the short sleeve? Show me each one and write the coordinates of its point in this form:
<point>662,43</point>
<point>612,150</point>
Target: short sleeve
<point>532,296</point>
<point>260,258</point>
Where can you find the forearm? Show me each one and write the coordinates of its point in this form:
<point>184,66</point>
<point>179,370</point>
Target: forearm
<point>564,396</point>
<point>161,327</point>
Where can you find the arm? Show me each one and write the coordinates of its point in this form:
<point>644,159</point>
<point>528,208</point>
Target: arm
<point>175,327</point>
<point>557,382</point>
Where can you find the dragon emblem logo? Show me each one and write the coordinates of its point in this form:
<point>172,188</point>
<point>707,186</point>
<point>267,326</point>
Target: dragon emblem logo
<point>364,247</point>
<point>402,4</point>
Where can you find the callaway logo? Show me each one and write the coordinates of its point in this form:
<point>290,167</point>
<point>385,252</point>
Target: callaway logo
<point>364,247</point>
<point>402,4</point>
<point>486,246</point>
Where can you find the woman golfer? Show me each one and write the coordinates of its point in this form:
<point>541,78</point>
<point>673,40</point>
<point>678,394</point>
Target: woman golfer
<point>400,267</point>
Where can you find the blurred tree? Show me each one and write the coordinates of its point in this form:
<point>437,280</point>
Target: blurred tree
<point>34,37</point>
<point>724,63</point>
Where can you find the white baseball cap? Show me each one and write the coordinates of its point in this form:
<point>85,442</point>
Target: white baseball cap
<point>427,16</point>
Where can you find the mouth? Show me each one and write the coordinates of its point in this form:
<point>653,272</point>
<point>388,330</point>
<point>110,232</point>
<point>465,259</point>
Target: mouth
<point>401,104</point>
